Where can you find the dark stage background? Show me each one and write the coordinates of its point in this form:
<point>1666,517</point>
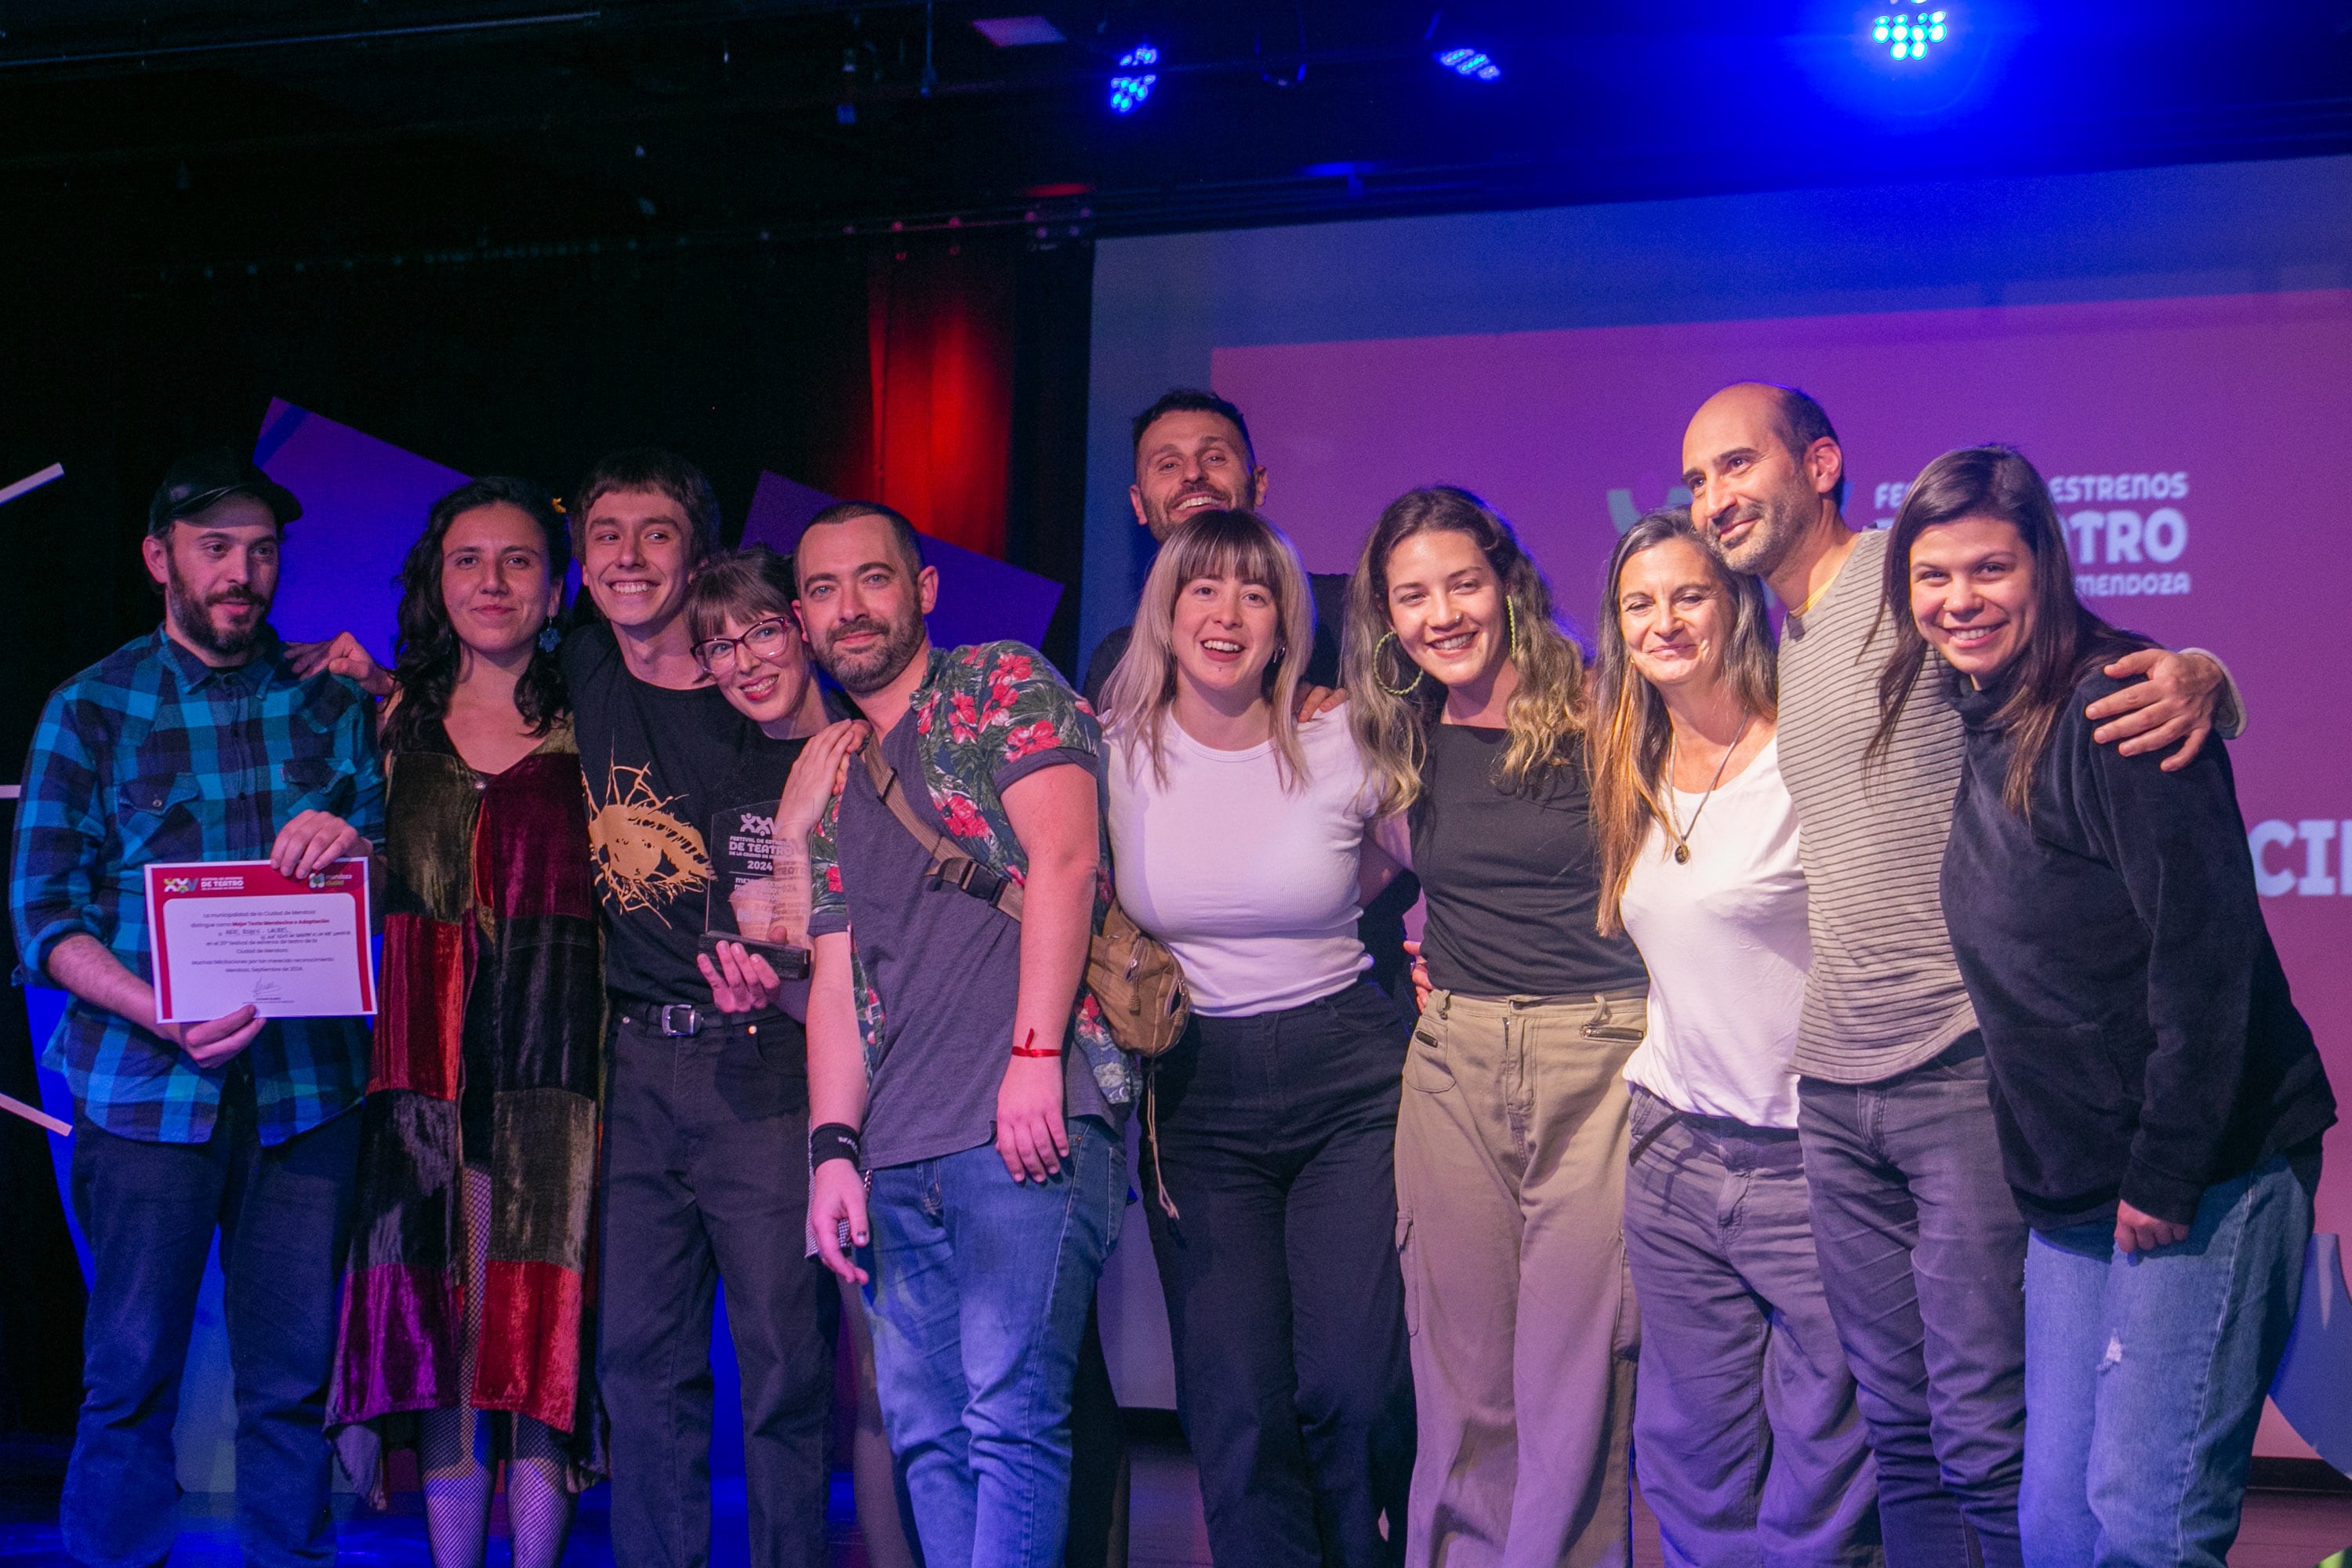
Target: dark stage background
<point>945,377</point>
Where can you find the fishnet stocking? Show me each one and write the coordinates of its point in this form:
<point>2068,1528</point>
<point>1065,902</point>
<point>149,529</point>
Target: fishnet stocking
<point>455,1450</point>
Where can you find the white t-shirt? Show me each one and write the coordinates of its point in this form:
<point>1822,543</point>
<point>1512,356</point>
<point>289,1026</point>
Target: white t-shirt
<point>1726,941</point>
<point>1253,887</point>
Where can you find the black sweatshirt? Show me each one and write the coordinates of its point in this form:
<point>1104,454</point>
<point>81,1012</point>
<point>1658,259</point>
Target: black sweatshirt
<point>2142,1042</point>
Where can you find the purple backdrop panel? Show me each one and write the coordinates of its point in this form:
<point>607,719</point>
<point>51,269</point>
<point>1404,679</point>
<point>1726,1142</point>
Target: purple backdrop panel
<point>364,503</point>
<point>981,599</point>
<point>2183,440</point>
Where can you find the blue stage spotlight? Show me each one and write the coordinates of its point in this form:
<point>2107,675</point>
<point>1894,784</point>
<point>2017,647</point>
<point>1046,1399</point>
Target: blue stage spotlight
<point>1910,34</point>
<point>1134,82</point>
<point>1475,64</point>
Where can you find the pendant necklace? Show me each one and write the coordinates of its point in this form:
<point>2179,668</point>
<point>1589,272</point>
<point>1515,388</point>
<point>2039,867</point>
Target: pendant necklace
<point>1674,824</point>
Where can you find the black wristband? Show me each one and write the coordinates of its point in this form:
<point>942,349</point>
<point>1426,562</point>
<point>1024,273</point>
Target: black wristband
<point>833,1141</point>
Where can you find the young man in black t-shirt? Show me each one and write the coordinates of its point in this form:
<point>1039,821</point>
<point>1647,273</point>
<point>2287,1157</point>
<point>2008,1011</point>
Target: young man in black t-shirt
<point>704,1113</point>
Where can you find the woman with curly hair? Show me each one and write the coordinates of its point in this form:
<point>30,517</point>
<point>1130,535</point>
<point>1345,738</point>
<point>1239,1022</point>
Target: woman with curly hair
<point>467,1332</point>
<point>1469,705</point>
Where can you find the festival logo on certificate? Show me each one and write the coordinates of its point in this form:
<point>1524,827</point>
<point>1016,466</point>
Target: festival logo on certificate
<point>227,934</point>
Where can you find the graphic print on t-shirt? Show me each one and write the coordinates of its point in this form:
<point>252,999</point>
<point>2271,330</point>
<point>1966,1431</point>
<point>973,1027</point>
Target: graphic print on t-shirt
<point>647,857</point>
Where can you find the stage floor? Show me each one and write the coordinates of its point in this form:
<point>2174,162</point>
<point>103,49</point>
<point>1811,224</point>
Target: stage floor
<point>2282,1529</point>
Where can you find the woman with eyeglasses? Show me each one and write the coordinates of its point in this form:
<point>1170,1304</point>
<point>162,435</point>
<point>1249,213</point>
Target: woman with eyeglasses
<point>747,639</point>
<point>467,1332</point>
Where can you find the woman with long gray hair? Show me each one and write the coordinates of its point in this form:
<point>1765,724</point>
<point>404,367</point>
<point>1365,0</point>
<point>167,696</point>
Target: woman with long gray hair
<point>1748,1438</point>
<point>1469,704</point>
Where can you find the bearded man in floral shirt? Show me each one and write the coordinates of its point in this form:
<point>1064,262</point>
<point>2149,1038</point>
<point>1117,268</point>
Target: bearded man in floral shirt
<point>956,1062</point>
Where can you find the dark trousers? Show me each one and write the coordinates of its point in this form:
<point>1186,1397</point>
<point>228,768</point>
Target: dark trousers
<point>1277,1143</point>
<point>150,1211</point>
<point>706,1180</point>
<point>1923,1257</point>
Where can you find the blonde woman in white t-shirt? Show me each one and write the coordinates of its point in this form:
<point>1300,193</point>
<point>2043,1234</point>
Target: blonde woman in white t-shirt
<point>1747,1438</point>
<point>1245,839</point>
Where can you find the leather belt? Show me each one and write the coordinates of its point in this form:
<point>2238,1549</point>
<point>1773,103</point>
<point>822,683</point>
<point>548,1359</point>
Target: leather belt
<point>683,1020</point>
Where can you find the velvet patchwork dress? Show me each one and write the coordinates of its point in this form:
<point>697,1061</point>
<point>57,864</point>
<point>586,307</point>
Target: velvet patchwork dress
<point>487,1085</point>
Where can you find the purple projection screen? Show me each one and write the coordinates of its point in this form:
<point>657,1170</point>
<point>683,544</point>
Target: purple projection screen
<point>2179,436</point>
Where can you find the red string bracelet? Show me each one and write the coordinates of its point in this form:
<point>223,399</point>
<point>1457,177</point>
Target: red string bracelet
<point>1028,1047</point>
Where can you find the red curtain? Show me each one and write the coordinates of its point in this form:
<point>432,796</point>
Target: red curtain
<point>940,335</point>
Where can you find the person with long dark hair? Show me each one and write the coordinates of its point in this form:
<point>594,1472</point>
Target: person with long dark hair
<point>467,1327</point>
<point>1469,701</point>
<point>1747,1438</point>
<point>2159,1099</point>
<point>1244,838</point>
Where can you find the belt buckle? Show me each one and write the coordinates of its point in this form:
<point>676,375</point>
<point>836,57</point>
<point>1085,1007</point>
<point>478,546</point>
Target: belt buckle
<point>670,1014</point>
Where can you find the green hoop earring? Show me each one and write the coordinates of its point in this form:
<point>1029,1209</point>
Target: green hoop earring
<point>1405,690</point>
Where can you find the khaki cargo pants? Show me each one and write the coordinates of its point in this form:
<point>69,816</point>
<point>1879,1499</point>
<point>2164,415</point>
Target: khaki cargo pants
<point>1510,1159</point>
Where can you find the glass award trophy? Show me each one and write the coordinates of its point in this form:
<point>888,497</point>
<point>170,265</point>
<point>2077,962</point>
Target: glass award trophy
<point>746,902</point>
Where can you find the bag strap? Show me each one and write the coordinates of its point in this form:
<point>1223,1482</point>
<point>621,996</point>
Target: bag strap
<point>949,864</point>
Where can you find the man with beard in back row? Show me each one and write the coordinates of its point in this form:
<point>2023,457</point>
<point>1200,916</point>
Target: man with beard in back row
<point>1194,454</point>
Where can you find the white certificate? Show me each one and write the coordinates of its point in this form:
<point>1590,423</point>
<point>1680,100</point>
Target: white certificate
<point>230,934</point>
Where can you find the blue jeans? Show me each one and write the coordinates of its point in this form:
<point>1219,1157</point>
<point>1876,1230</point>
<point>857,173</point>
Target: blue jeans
<point>150,1211</point>
<point>1923,1257</point>
<point>1747,1438</point>
<point>979,1295</point>
<point>2145,1376</point>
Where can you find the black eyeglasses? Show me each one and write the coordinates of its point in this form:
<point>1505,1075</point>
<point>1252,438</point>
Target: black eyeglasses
<point>763,640</point>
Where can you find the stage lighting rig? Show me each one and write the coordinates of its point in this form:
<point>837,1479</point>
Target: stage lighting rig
<point>1476,65</point>
<point>1134,80</point>
<point>1910,34</point>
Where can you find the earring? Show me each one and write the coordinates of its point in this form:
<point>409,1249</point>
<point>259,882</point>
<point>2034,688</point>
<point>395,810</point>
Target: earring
<point>549,638</point>
<point>1511,626</point>
<point>1405,690</point>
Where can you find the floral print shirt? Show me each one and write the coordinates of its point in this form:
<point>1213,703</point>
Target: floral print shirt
<point>979,709</point>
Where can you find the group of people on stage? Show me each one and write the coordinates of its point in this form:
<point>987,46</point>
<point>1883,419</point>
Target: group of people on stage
<point>1884,1005</point>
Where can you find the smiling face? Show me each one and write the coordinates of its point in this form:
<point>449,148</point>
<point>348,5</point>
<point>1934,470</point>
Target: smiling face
<point>1674,614</point>
<point>219,571</point>
<point>1188,461</point>
<point>1225,632</point>
<point>634,558</point>
<point>494,581</point>
<point>1972,592</point>
<point>1446,606</point>
<point>765,671</point>
<point>1751,494</point>
<point>862,601</point>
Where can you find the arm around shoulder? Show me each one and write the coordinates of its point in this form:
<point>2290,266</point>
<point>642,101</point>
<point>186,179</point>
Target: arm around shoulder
<point>2166,699</point>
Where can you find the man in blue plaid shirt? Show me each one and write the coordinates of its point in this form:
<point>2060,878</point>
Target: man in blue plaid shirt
<point>197,742</point>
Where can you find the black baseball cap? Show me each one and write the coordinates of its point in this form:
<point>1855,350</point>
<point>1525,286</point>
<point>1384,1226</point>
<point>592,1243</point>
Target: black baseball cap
<point>197,482</point>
